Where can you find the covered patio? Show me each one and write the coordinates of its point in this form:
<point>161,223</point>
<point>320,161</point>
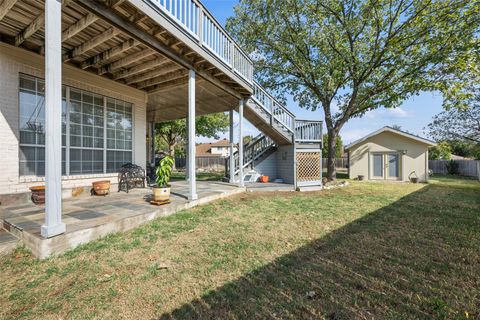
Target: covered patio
<point>91,217</point>
<point>177,56</point>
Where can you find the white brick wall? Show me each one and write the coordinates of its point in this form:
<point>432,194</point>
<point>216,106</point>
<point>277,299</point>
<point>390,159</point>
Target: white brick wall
<point>14,61</point>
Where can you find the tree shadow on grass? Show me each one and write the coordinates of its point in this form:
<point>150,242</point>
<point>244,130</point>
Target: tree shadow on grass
<point>416,258</point>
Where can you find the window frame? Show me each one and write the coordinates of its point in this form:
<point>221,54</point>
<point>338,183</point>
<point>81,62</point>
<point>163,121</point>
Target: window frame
<point>67,147</point>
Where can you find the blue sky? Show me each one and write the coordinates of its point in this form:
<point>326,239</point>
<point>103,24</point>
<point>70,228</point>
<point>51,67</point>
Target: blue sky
<point>413,115</point>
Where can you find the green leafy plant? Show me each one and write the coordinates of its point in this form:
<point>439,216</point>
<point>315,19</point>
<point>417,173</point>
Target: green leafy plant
<point>453,167</point>
<point>164,171</point>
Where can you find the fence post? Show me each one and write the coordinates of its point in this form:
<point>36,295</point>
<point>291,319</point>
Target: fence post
<point>478,169</point>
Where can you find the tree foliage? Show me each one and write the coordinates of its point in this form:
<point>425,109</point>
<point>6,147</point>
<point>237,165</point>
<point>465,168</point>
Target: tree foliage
<point>172,133</point>
<point>457,124</point>
<point>350,57</point>
<point>338,146</point>
<point>442,151</point>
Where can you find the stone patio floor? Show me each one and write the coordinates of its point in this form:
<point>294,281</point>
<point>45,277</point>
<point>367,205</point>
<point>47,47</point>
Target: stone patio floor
<point>91,217</point>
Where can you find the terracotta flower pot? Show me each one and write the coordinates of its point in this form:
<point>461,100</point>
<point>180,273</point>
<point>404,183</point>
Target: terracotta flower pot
<point>101,188</point>
<point>161,194</point>
<point>263,179</point>
<point>38,194</point>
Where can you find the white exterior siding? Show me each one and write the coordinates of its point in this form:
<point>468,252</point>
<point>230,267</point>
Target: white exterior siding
<point>14,61</point>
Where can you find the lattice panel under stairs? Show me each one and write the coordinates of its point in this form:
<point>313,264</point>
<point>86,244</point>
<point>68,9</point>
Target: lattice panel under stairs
<point>309,166</point>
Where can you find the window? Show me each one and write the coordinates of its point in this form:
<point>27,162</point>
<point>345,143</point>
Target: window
<point>86,132</point>
<point>96,131</point>
<point>119,134</point>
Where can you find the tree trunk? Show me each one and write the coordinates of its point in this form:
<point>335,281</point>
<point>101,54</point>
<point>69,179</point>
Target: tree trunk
<point>331,147</point>
<point>171,152</point>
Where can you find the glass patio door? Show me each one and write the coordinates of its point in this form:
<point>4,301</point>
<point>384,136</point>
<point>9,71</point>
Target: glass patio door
<point>385,165</point>
<point>378,168</point>
<point>393,166</point>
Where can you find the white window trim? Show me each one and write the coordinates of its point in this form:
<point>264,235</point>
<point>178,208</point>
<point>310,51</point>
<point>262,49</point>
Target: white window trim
<point>68,175</point>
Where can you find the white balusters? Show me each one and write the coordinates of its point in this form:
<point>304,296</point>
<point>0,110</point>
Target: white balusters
<point>198,22</point>
<point>308,130</point>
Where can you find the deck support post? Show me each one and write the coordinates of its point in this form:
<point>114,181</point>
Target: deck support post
<point>240,143</point>
<point>53,120</point>
<point>191,137</point>
<point>231,152</point>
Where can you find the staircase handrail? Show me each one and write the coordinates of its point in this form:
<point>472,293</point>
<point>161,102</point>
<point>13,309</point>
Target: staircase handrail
<point>251,152</point>
<point>274,108</point>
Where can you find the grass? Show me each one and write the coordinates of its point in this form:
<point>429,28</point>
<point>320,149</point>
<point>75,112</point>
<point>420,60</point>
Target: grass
<point>201,176</point>
<point>370,250</point>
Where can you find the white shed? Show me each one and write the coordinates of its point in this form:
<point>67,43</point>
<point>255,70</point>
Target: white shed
<point>389,154</point>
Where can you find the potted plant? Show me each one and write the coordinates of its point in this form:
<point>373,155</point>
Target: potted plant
<point>161,192</point>
<point>263,179</point>
<point>38,194</point>
<point>101,188</point>
<point>413,177</point>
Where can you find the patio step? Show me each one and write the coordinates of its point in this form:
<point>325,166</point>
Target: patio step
<point>8,242</point>
<point>11,229</point>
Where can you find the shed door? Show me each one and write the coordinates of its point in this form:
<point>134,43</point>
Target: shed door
<point>393,166</point>
<point>377,165</point>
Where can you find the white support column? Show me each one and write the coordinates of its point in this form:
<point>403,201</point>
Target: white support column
<point>53,120</point>
<point>192,183</point>
<point>240,143</point>
<point>232,150</point>
<point>186,154</point>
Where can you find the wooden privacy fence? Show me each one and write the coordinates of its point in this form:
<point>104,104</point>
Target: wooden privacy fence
<point>339,163</point>
<point>205,163</point>
<point>469,168</point>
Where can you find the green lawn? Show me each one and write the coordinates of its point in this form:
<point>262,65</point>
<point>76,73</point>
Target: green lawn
<point>370,250</point>
<point>201,176</point>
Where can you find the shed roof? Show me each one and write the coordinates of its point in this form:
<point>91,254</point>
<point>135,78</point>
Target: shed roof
<point>392,130</point>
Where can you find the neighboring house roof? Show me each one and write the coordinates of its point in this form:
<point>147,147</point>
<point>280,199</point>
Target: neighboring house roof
<point>221,143</point>
<point>204,149</point>
<point>455,157</point>
<point>392,130</point>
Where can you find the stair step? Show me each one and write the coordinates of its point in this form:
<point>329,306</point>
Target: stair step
<point>8,242</point>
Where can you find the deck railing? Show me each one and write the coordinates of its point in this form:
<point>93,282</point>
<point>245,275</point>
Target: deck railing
<point>308,131</point>
<point>200,24</point>
<point>197,21</point>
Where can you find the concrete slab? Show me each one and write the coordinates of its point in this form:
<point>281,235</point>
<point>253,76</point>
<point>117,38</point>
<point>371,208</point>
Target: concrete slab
<point>93,217</point>
<point>8,242</point>
<point>269,186</point>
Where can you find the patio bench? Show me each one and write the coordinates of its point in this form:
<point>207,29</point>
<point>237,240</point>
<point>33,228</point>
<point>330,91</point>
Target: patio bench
<point>131,176</point>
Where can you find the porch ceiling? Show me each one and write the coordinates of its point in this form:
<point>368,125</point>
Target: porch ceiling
<point>130,48</point>
<point>172,103</point>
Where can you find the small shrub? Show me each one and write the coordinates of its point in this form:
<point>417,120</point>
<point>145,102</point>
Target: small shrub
<point>164,171</point>
<point>453,167</point>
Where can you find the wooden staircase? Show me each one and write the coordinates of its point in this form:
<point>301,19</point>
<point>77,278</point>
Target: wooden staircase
<point>278,126</point>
